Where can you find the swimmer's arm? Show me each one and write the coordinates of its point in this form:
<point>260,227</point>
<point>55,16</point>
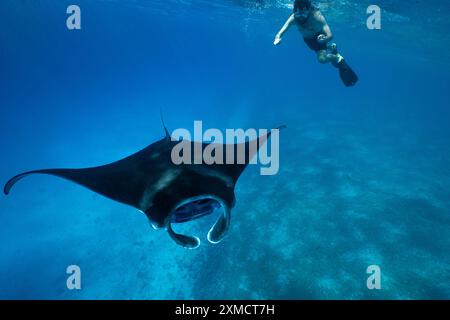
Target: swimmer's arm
<point>290,21</point>
<point>328,35</point>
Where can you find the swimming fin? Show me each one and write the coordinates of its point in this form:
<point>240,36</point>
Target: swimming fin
<point>348,76</point>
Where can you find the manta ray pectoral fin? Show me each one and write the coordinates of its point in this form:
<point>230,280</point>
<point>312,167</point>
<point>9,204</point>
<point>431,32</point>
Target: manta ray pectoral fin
<point>11,182</point>
<point>219,229</point>
<point>188,242</point>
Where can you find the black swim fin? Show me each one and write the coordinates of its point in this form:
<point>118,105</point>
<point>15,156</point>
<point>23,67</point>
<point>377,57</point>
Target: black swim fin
<point>348,76</point>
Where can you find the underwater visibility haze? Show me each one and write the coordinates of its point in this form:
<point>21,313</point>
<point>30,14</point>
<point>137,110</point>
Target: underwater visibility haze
<point>364,172</point>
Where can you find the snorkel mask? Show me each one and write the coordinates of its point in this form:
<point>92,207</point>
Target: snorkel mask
<point>302,10</point>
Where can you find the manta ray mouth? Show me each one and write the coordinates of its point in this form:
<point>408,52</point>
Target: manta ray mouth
<point>195,208</point>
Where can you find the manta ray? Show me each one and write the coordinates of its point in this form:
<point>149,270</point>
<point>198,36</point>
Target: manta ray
<point>166,193</point>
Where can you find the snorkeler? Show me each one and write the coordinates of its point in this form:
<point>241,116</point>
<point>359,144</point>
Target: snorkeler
<point>317,36</point>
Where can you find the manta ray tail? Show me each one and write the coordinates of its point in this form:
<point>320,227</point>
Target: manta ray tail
<point>166,132</point>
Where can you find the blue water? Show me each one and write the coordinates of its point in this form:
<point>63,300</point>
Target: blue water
<point>364,176</point>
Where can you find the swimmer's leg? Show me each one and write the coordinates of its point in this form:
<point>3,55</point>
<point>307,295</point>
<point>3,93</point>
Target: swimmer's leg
<point>323,56</point>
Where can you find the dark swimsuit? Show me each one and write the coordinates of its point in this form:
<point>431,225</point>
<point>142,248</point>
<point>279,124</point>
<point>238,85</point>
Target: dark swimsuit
<point>314,45</point>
